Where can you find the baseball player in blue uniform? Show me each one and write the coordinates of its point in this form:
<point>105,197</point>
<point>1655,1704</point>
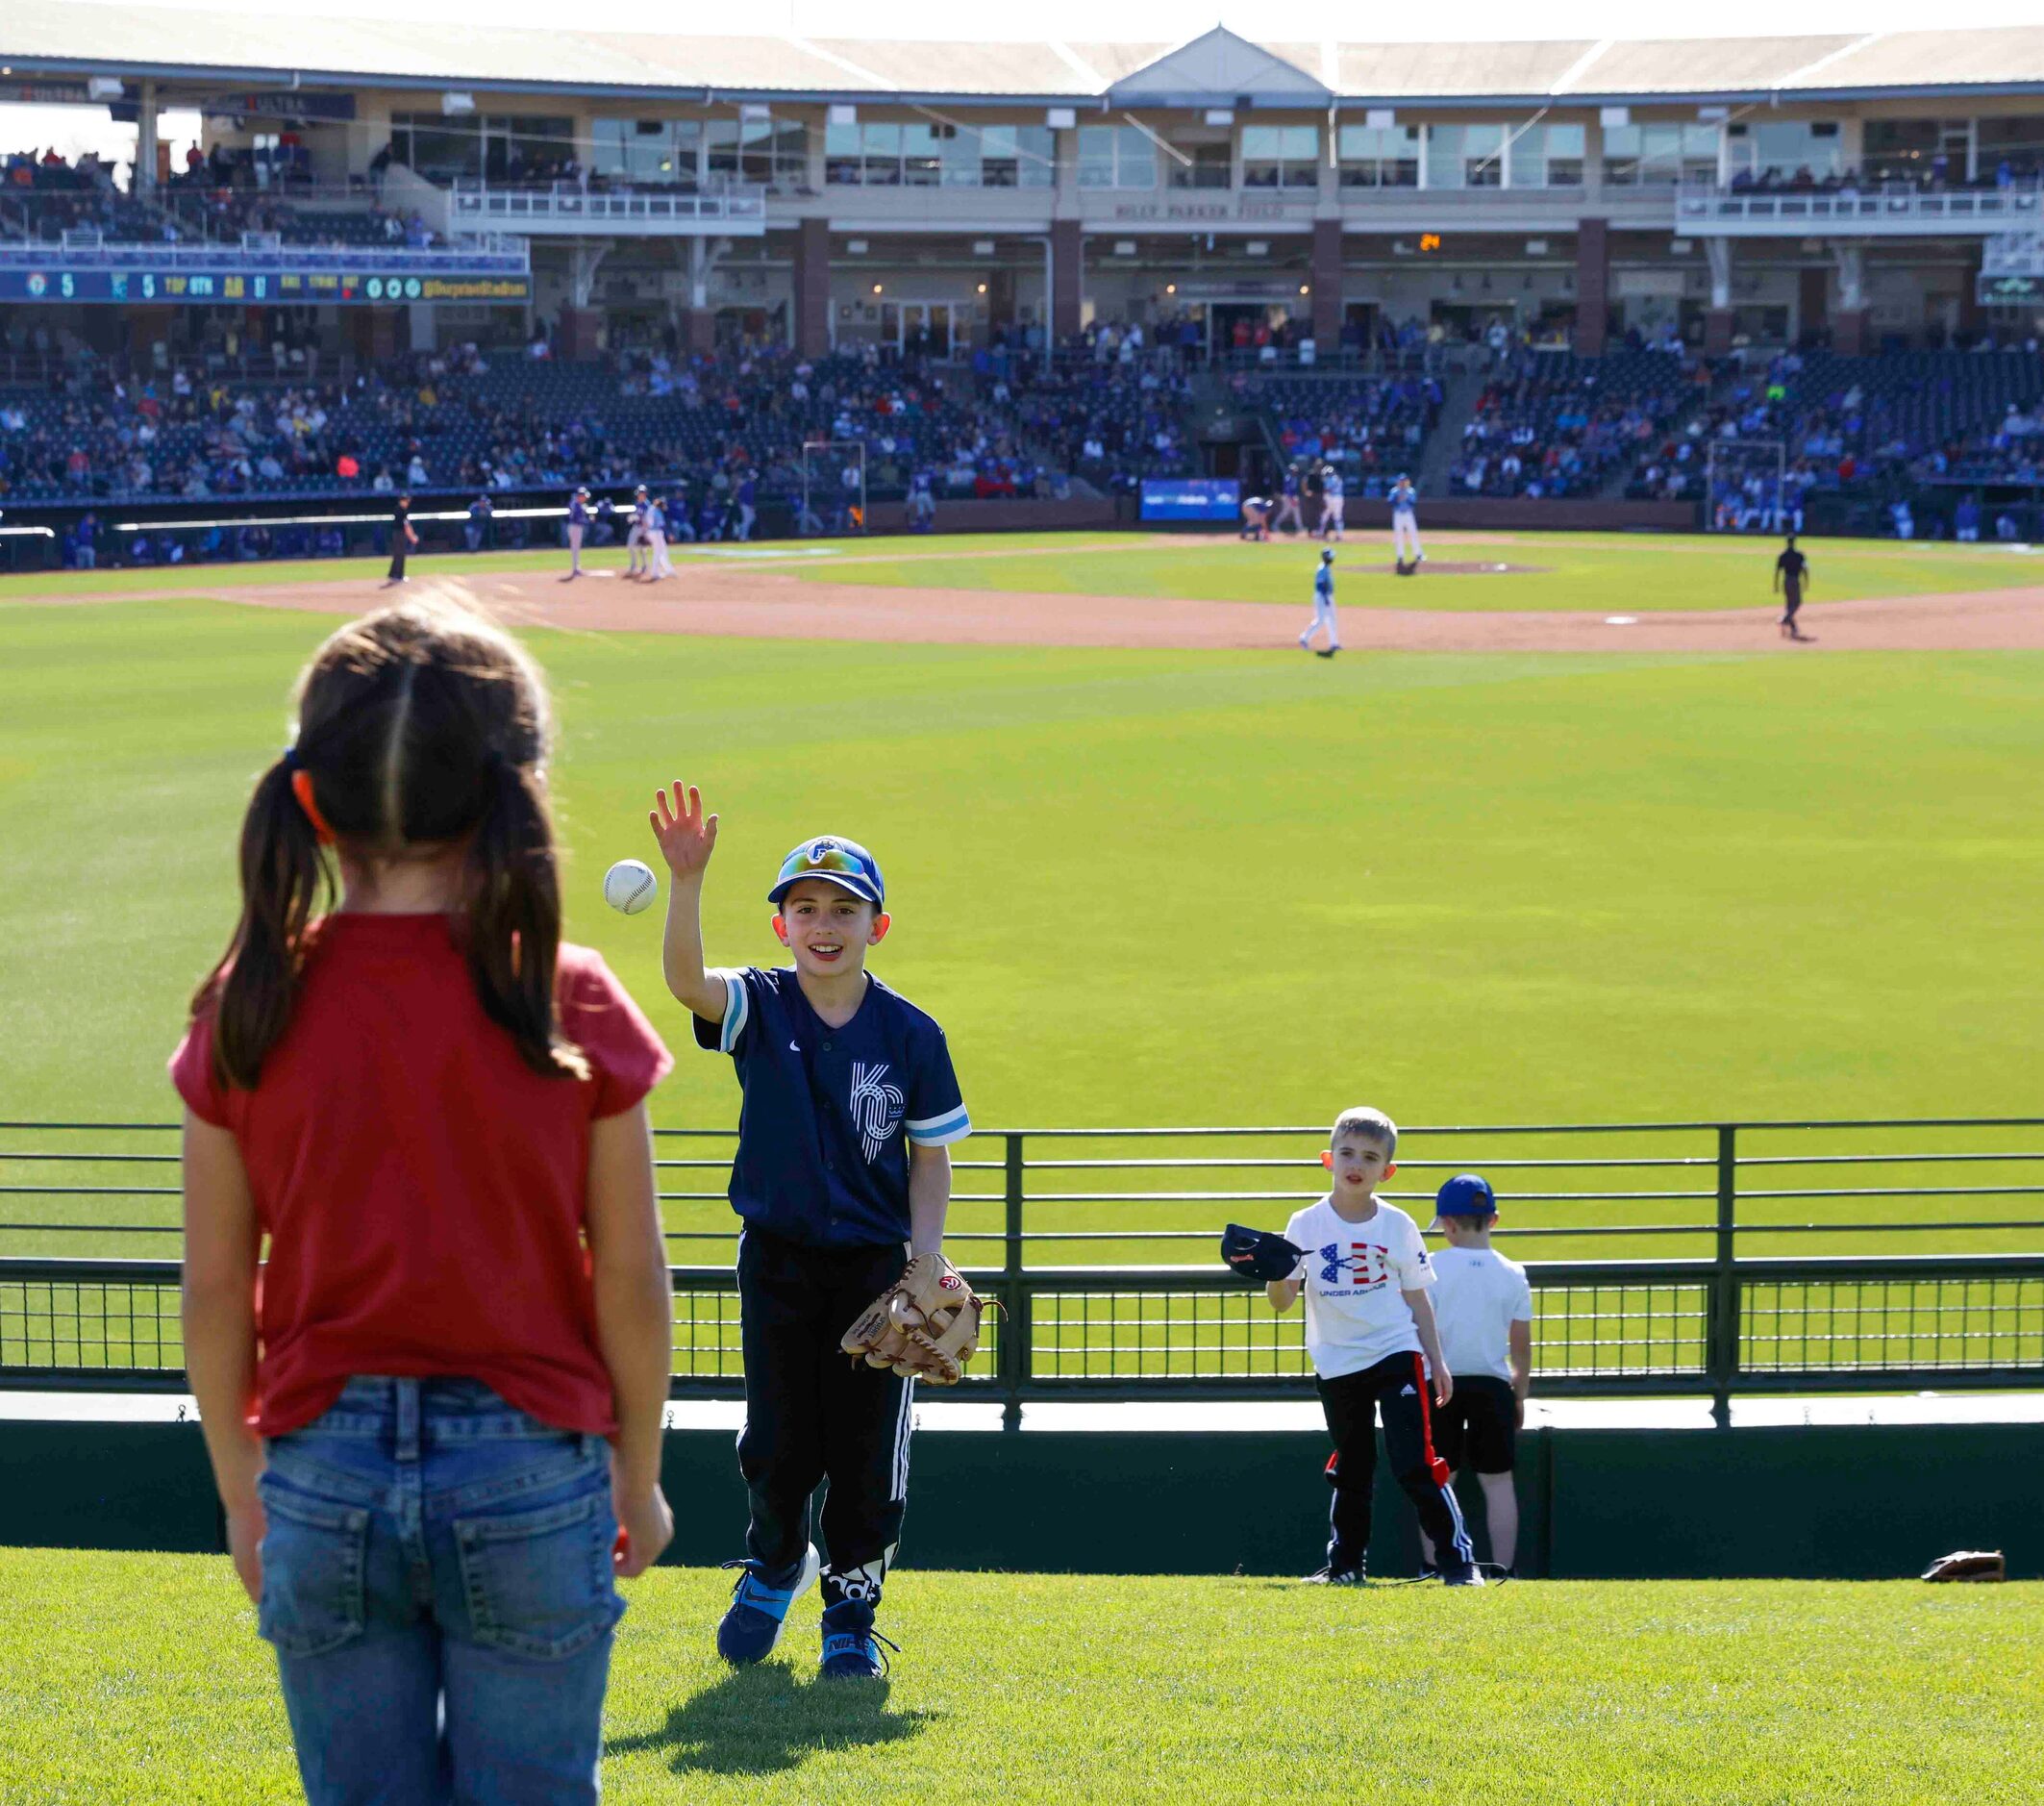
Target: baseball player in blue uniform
<point>577,525</point>
<point>1332,503</point>
<point>850,1110</point>
<point>1289,517</point>
<point>1324,606</point>
<point>639,562</point>
<point>1404,525</point>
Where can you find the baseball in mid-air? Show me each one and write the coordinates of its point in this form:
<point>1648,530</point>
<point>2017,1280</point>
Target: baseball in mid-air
<point>630,885</point>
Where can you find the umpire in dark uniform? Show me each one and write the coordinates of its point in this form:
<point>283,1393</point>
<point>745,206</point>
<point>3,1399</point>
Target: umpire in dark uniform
<point>404,535</point>
<point>1791,571</point>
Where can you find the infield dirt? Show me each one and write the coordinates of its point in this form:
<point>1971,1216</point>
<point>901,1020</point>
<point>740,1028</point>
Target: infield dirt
<point>730,599</point>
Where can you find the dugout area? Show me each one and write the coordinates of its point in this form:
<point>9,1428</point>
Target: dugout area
<point>1802,1501</point>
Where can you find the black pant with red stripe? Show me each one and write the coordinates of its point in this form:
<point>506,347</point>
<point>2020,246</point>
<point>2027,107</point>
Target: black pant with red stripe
<point>1397,1387</point>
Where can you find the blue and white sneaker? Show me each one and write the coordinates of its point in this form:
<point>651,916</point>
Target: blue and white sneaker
<point>850,1645</point>
<point>751,1628</point>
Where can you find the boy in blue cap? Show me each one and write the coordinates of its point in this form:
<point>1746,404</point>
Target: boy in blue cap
<point>1483,1308</point>
<point>850,1108</point>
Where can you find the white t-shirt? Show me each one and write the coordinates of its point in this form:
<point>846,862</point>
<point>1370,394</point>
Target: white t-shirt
<point>1478,1297</point>
<point>1355,1274</point>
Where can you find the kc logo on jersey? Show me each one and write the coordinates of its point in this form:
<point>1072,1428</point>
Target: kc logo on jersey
<point>877,1108</point>
<point>1357,1264</point>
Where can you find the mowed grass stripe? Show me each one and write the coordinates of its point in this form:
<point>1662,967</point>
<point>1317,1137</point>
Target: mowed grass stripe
<point>1070,1690</point>
<point>1608,573</point>
<point>1161,887</point>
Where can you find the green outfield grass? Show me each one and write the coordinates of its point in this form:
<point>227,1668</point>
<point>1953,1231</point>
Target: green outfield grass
<point>145,1685</point>
<point>1603,572</point>
<point>1166,886</point>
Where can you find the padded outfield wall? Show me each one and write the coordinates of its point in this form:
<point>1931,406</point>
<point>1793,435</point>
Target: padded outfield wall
<point>1819,1502</point>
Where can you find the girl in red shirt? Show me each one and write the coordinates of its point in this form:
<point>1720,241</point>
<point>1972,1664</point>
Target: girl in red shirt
<point>435,1404</point>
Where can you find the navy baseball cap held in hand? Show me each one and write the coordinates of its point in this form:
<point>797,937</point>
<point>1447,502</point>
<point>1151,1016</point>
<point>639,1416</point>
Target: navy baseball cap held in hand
<point>836,861</point>
<point>1466,1194</point>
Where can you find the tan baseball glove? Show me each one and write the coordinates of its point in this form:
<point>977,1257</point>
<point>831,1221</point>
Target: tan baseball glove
<point>925,1326</point>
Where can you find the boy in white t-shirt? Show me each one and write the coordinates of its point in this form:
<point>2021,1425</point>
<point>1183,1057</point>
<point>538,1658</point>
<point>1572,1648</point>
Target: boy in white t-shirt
<point>1484,1310</point>
<point>1368,1322</point>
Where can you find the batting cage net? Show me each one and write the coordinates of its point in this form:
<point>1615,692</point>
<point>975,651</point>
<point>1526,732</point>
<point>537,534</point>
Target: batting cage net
<point>834,487</point>
<point>1747,486</point>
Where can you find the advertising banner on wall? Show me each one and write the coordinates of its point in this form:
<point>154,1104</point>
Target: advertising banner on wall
<point>1191,499</point>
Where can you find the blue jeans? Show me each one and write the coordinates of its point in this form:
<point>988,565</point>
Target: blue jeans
<point>436,1580</point>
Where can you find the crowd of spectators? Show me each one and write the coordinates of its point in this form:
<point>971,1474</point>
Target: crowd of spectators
<point>1935,175</point>
<point>1109,413</point>
<point>42,196</point>
<point>1371,428</point>
<point>1552,424</point>
<point>460,423</point>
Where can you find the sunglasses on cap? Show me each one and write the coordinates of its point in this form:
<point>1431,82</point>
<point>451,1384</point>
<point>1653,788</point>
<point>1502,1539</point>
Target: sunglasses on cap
<point>841,863</point>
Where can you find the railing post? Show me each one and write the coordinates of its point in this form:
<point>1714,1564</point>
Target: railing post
<point>1724,1350</point>
<point>1013,1367</point>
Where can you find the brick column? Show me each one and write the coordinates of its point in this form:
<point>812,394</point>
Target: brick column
<point>813,288</point>
<point>580,334</point>
<point>1067,277</point>
<point>1849,332</point>
<point>1717,331</point>
<point>1969,293</point>
<point>1326,279</point>
<point>699,329</point>
<point>1812,300</point>
<point>146,326</point>
<point>1593,286</point>
<point>1000,300</point>
<point>373,332</point>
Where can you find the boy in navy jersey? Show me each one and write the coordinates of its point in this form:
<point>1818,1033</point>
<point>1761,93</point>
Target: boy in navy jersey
<point>843,1160</point>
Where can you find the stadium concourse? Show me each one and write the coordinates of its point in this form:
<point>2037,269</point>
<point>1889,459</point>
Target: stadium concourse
<point>1742,282</point>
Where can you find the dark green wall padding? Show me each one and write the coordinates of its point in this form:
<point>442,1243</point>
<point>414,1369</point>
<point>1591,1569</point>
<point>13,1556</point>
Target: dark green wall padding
<point>1860,1502</point>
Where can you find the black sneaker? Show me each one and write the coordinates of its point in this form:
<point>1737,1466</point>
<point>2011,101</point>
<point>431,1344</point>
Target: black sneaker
<point>1329,653</point>
<point>1466,1574</point>
<point>1356,1576</point>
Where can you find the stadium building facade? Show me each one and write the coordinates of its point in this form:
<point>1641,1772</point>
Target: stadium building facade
<point>622,187</point>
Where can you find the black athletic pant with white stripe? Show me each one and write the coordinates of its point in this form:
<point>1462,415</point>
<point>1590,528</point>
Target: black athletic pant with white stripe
<point>812,1414</point>
<point>1397,1387</point>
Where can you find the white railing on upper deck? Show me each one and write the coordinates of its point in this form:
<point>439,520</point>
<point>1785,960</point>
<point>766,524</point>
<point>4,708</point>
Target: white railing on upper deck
<point>1895,211</point>
<point>567,205</point>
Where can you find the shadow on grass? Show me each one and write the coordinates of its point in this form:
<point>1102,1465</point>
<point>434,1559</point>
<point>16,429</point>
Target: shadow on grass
<point>762,1721</point>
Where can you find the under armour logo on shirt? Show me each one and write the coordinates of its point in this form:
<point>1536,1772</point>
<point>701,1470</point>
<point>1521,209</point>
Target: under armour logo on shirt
<point>877,1108</point>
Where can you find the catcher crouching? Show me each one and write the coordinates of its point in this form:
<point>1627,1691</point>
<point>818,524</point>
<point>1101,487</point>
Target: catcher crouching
<point>842,1170</point>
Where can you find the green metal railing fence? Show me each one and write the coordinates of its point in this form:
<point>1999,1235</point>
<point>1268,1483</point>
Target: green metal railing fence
<point>1682,1258</point>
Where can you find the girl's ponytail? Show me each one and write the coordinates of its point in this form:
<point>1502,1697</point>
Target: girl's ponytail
<point>284,876</point>
<point>515,918</point>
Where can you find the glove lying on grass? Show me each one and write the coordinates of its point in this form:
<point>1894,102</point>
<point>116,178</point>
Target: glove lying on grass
<point>1968,1564</point>
<point>1258,1255</point>
<point>925,1326</point>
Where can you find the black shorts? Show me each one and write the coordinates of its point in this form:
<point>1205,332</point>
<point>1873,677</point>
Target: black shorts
<point>1476,1428</point>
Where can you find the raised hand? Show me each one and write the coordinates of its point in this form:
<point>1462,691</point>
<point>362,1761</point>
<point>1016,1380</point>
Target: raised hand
<point>686,836</point>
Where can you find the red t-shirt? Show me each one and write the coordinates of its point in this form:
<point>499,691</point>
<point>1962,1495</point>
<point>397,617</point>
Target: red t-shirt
<point>424,1189</point>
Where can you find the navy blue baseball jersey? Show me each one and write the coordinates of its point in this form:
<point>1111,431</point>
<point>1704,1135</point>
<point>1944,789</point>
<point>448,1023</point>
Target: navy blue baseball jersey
<point>578,511</point>
<point>830,1113</point>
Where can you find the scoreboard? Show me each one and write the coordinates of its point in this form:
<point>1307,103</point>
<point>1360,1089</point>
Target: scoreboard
<point>273,286</point>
